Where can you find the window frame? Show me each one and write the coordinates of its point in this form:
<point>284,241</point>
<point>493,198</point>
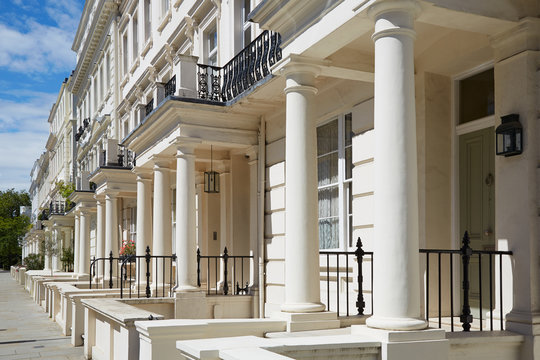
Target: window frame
<point>343,184</point>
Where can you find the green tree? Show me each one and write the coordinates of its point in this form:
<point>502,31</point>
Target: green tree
<point>13,225</point>
<point>66,189</point>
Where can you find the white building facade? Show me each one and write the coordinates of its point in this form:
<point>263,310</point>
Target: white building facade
<point>321,123</point>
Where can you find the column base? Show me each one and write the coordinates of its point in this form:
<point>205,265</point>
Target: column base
<point>82,277</point>
<point>190,305</point>
<point>431,344</point>
<point>309,321</point>
<point>526,323</point>
<point>303,307</point>
<point>387,323</point>
<point>186,288</point>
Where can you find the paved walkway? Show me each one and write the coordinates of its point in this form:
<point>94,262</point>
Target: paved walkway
<point>26,332</point>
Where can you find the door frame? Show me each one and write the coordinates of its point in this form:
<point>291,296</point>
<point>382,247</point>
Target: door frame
<point>457,131</point>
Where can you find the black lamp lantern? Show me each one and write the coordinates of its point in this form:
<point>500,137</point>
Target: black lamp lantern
<point>509,136</point>
<point>211,178</point>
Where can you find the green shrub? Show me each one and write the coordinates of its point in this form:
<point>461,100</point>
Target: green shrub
<point>34,262</point>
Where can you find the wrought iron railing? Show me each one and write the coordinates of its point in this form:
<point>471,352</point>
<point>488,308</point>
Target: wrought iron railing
<point>149,107</point>
<point>332,270</point>
<point>80,132</point>
<point>213,265</point>
<point>122,275</point>
<point>465,254</point>
<point>248,67</point>
<point>170,86</point>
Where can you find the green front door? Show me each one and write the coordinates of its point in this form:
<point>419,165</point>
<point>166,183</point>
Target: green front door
<point>477,207</point>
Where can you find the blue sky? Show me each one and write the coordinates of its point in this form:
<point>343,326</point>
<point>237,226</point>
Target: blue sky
<point>35,57</point>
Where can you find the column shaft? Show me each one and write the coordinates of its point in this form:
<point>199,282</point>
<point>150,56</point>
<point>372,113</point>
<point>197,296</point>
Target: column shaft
<point>111,232</point>
<point>396,276</point>
<point>302,289</point>
<point>144,222</point>
<point>100,229</point>
<point>84,247</point>
<point>57,264</point>
<point>186,247</point>
<point>162,229</point>
<point>76,251</point>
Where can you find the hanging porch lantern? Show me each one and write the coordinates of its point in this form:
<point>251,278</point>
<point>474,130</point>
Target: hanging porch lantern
<point>211,178</point>
<point>509,136</point>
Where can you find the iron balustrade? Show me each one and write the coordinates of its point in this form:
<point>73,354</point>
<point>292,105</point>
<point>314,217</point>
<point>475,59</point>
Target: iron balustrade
<point>128,278</point>
<point>465,253</point>
<point>125,279</point>
<point>149,107</point>
<point>358,254</point>
<point>170,86</point>
<point>240,288</point>
<point>248,67</point>
<point>209,80</point>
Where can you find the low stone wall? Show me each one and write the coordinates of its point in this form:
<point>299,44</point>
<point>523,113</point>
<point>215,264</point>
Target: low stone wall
<point>158,338</point>
<point>109,329</point>
<point>493,345</point>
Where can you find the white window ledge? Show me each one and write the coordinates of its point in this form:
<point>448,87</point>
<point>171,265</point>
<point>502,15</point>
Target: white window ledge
<point>165,21</point>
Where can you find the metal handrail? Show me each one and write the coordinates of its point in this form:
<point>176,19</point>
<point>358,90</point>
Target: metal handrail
<point>245,69</point>
<point>465,253</point>
<point>359,253</point>
<point>239,289</point>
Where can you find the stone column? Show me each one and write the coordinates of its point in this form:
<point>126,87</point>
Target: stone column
<point>144,220</point>
<point>111,232</point>
<point>84,242</point>
<point>253,221</point>
<point>397,276</point>
<point>162,229</point>
<point>76,250</point>
<point>56,263</point>
<point>302,289</point>
<point>100,231</point>
<point>47,257</point>
<point>186,245</point>
<point>225,209</point>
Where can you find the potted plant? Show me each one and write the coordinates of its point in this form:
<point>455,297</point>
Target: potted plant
<point>128,249</point>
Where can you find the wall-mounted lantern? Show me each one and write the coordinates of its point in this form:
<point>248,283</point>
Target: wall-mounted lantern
<point>509,136</point>
<point>211,178</point>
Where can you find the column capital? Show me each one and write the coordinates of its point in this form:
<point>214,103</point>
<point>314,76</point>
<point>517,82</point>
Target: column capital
<point>162,163</point>
<point>142,173</point>
<point>85,211</point>
<point>394,17</point>
<point>185,144</point>
<point>396,6</point>
<point>295,64</point>
<point>109,194</point>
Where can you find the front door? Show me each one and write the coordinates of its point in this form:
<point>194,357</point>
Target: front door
<point>477,208</point>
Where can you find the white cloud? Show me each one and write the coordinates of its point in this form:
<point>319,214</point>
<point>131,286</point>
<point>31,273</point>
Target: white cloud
<point>30,113</point>
<point>33,47</point>
<point>65,13</point>
<point>19,151</point>
<point>41,49</point>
